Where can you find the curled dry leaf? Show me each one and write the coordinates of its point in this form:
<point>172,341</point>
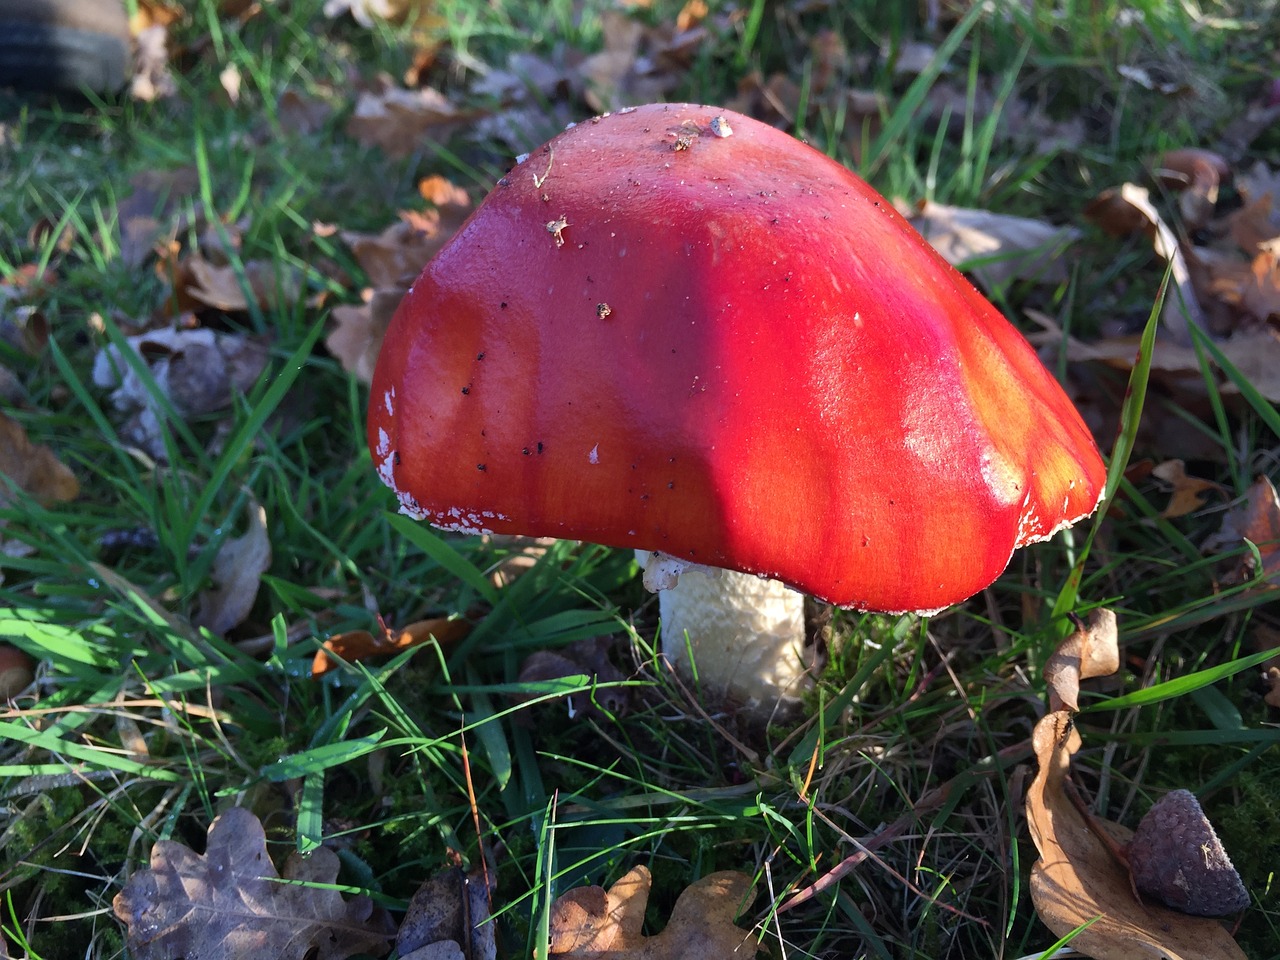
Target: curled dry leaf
<point>363,645</point>
<point>32,467</point>
<point>229,902</point>
<point>589,923</point>
<point>237,573</point>
<point>448,917</point>
<point>1077,880</point>
<point>1129,210</point>
<point>1006,247</point>
<point>1195,174</point>
<point>1091,651</point>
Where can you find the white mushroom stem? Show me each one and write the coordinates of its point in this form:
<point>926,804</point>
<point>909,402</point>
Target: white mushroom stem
<point>743,634</point>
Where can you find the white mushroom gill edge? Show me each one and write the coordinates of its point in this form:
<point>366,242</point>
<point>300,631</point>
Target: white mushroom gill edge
<point>744,633</point>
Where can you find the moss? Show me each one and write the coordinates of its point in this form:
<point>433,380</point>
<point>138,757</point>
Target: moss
<point>1253,814</point>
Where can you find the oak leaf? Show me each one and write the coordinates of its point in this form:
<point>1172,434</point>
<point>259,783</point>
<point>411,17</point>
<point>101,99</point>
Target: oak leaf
<point>589,923</point>
<point>230,902</point>
<point>1255,353</point>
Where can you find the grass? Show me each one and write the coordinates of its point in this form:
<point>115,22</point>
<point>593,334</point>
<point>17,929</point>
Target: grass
<point>143,725</point>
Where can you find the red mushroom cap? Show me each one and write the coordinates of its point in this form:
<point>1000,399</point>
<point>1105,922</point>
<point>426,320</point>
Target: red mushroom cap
<point>679,329</point>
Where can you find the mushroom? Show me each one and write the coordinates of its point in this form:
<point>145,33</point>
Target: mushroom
<point>677,329</point>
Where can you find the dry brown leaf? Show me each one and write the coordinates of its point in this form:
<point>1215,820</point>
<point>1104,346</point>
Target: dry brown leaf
<point>1258,521</point>
<point>1077,879</point>
<point>32,467</point>
<point>1129,210</point>
<point>395,257</point>
<point>1272,678</point>
<point>17,671</point>
<point>588,657</point>
<point>524,554</point>
<point>362,645</point>
<point>1093,650</point>
<point>147,215</point>
<point>219,286</point>
<point>151,13</point>
<point>606,71</point>
<point>448,917</point>
<point>302,114</point>
<point>1253,287</point>
<point>592,924</point>
<point>639,63</point>
<point>1257,183</point>
<point>1255,353</point>
<point>237,573</point>
<point>229,902</point>
<point>1189,492</point>
<point>399,120</point>
<point>1254,224</point>
<point>356,337</point>
<point>1008,248</point>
